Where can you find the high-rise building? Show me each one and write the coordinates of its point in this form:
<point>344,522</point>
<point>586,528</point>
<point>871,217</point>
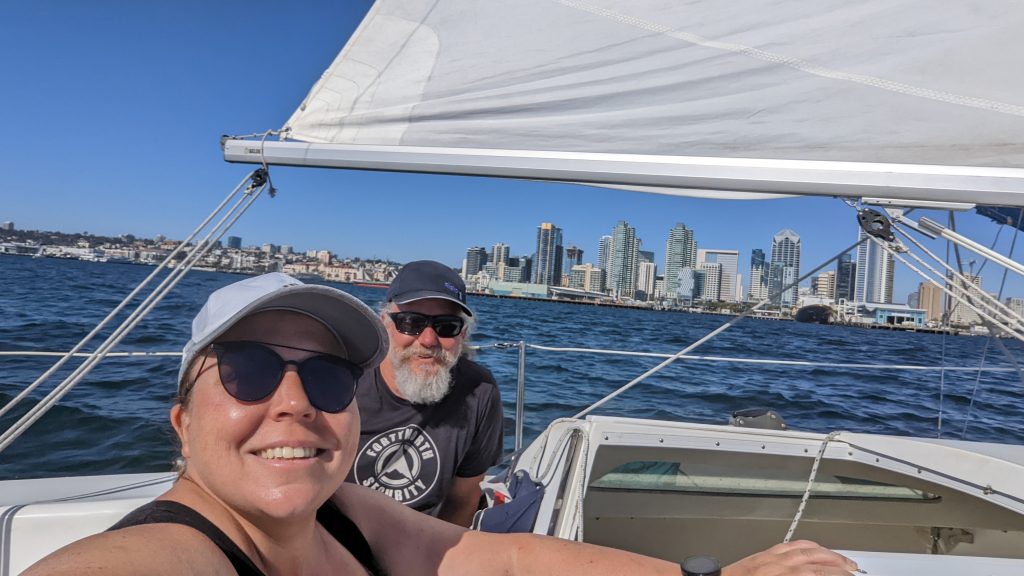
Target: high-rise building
<point>961,314</point>
<point>287,249</point>
<point>623,262</point>
<point>712,287</point>
<point>586,277</point>
<point>913,300</point>
<point>690,285</point>
<point>518,269</point>
<point>476,259</point>
<point>604,253</point>
<point>729,261</point>
<point>1016,305</point>
<point>7,226</point>
<point>646,275</point>
<point>785,267</point>
<point>235,242</point>
<point>573,255</point>
<point>846,278</point>
<point>547,264</point>
<point>874,272</point>
<point>758,276</point>
<point>499,253</point>
<point>680,252</point>
<point>824,285</point>
<point>929,299</point>
<point>497,260</point>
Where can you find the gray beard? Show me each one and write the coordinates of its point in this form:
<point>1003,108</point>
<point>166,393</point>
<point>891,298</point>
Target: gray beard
<point>418,387</point>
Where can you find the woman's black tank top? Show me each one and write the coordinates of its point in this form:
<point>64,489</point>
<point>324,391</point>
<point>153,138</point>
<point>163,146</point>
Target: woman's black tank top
<point>329,516</point>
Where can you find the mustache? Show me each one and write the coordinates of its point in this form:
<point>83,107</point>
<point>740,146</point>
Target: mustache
<point>437,354</point>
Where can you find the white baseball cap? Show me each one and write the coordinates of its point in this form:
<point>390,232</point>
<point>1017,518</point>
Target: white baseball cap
<point>357,328</point>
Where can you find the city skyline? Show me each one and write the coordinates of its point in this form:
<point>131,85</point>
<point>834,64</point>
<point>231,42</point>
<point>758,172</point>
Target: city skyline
<point>135,151</point>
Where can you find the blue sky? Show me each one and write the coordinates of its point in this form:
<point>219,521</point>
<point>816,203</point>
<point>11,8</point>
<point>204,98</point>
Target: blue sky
<point>112,113</point>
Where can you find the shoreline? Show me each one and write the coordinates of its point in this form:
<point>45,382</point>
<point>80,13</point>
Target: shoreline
<point>381,285</point>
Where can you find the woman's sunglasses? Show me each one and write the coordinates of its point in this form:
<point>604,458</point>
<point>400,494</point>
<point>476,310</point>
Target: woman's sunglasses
<point>252,371</point>
<point>414,323</point>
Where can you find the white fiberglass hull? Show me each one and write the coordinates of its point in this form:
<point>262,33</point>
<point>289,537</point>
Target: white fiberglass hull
<point>897,505</point>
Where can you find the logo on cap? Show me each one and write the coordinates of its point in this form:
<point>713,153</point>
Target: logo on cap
<point>451,288</point>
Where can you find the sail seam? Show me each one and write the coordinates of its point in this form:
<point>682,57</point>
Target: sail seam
<point>800,64</point>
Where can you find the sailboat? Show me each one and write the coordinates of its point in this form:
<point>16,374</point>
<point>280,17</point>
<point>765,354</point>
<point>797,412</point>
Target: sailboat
<point>881,103</point>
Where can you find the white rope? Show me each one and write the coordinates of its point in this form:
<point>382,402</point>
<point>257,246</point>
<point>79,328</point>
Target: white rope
<point>172,279</point>
<point>544,476</point>
<point>581,490</point>
<point>810,483</point>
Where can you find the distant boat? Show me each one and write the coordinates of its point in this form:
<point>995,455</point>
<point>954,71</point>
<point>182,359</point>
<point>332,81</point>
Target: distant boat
<point>815,314</point>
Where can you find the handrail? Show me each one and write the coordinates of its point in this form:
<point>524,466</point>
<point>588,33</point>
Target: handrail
<point>525,345</point>
<point>522,346</point>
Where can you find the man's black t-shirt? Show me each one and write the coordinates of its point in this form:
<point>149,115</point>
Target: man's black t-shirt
<point>412,452</point>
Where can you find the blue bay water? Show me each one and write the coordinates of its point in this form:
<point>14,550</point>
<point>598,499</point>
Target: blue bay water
<point>116,420</point>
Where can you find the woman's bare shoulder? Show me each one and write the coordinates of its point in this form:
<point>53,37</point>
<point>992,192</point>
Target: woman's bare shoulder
<point>146,549</point>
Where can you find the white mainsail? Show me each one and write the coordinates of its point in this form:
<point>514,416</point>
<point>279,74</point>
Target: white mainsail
<point>831,97</point>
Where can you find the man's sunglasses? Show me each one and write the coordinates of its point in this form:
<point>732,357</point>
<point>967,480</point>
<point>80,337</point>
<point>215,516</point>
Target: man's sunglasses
<point>252,371</point>
<point>414,323</point>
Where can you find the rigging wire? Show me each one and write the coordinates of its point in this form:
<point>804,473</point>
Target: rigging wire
<point>977,380</point>
<point>715,332</point>
<point>252,192</point>
<point>986,302</point>
<point>984,314</point>
<point>942,358</point>
<point>117,309</point>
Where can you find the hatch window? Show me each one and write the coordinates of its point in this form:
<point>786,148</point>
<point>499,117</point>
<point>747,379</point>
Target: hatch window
<point>754,481</point>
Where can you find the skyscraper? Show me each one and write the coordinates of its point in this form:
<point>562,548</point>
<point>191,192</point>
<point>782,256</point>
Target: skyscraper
<point>961,314</point>
<point>647,273</point>
<point>235,242</point>
<point>499,253</point>
<point>846,278</point>
<point>574,255</point>
<point>824,285</point>
<point>758,276</point>
<point>691,285</point>
<point>726,282</point>
<point>785,267</point>
<point>547,263</point>
<point>874,273</point>
<point>498,260</point>
<point>712,288</point>
<point>680,252</point>
<point>476,258</point>
<point>623,262</point>
<point>604,253</point>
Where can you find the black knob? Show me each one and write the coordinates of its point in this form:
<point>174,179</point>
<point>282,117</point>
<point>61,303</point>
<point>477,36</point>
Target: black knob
<point>701,566</point>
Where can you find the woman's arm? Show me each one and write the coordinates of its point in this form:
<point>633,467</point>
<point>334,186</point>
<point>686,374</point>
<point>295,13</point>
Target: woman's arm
<point>411,543</point>
<point>156,549</point>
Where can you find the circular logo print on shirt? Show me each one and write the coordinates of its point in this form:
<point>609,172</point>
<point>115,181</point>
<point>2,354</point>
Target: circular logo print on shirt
<point>401,462</point>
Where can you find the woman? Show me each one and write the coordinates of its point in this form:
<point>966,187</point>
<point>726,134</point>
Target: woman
<point>268,432</point>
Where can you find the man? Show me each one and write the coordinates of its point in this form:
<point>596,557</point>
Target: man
<point>431,418</point>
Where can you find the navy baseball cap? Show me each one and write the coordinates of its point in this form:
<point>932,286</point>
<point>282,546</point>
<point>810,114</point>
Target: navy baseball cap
<point>425,279</point>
